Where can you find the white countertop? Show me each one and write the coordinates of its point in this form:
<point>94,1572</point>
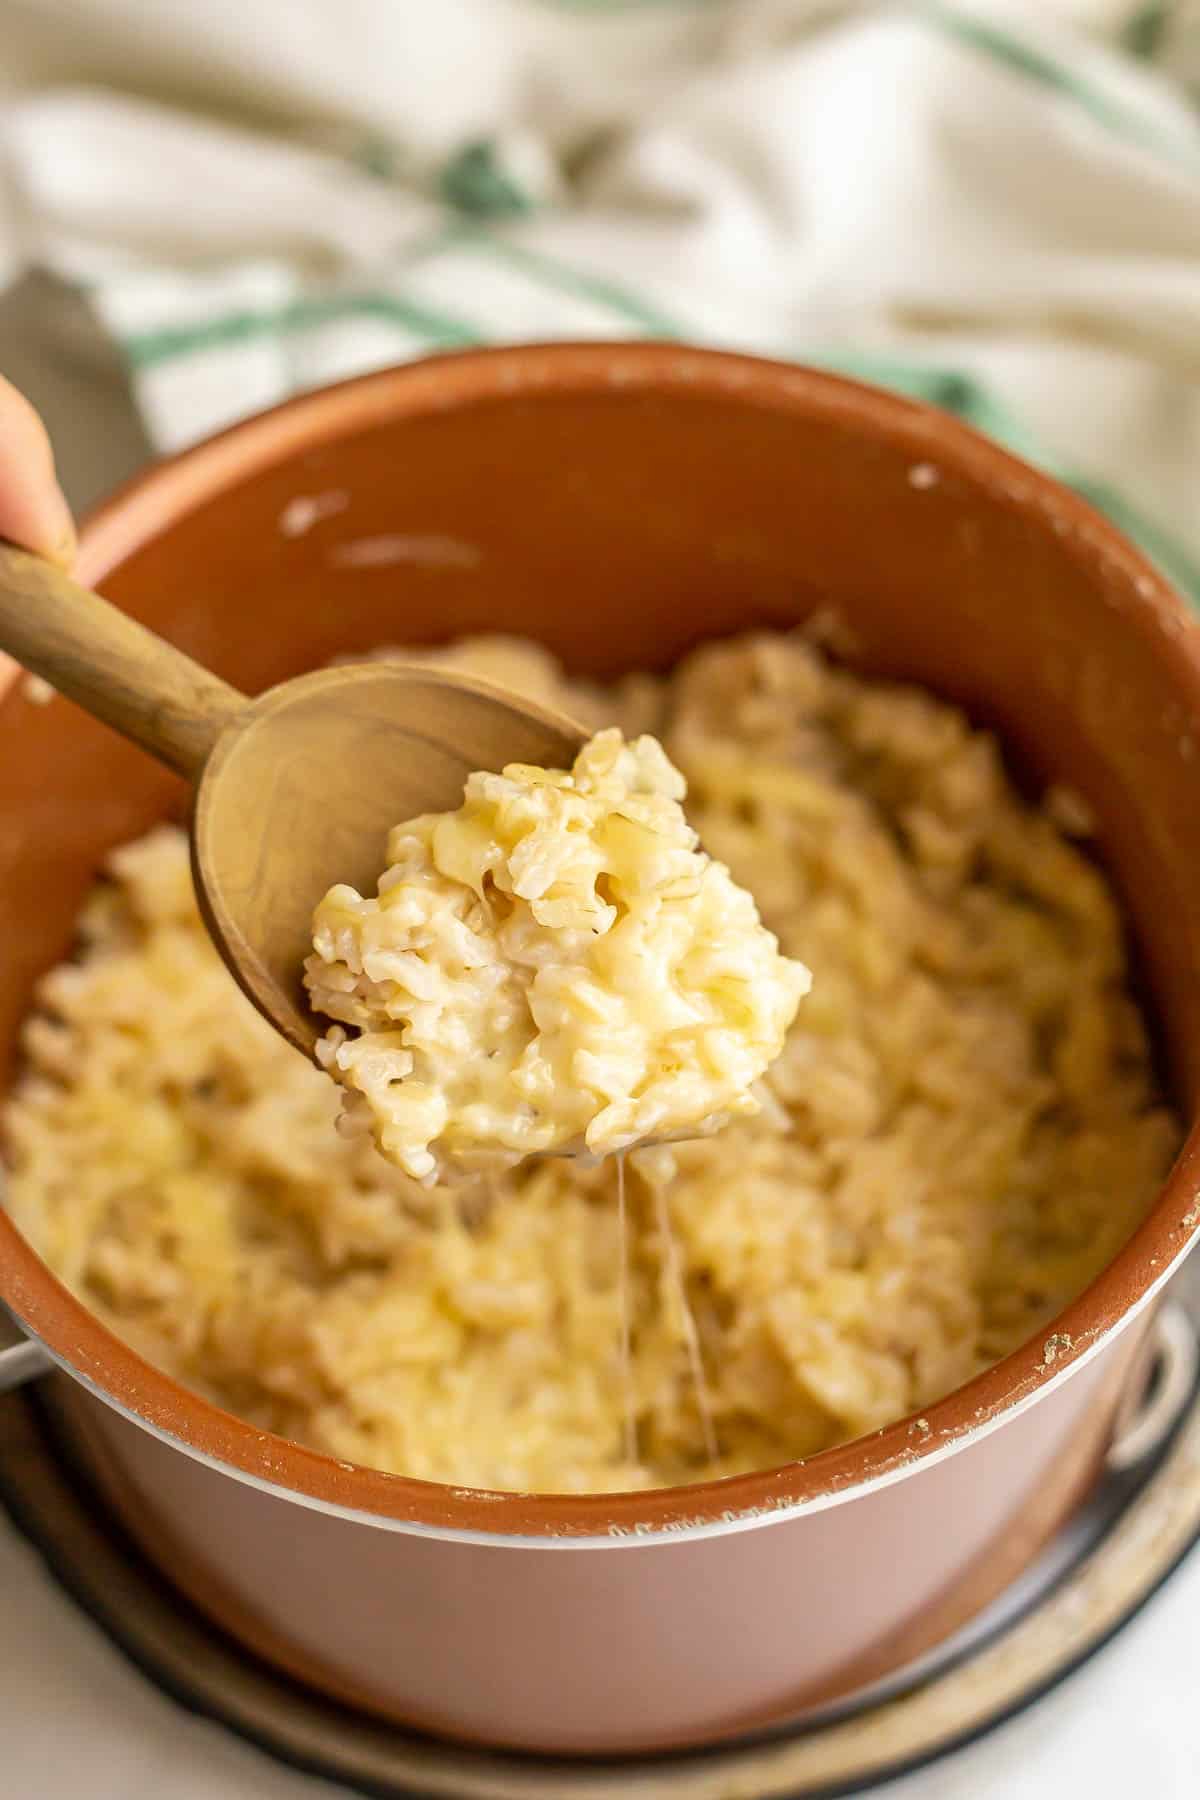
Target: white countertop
<point>78,1722</point>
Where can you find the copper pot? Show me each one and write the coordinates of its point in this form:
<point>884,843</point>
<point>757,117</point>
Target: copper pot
<point>620,503</point>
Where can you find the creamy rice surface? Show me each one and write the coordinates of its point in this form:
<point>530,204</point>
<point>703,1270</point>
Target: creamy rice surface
<point>961,1130</point>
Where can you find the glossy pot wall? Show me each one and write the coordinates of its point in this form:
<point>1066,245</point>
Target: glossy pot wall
<point>621,503</point>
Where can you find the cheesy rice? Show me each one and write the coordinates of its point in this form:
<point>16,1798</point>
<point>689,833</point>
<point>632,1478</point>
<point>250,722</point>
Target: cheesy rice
<point>962,1129</point>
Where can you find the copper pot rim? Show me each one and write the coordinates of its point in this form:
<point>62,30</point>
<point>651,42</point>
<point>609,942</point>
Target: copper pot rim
<point>76,1337</point>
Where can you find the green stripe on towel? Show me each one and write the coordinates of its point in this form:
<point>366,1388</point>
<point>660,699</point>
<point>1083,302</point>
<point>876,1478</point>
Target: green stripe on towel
<point>984,35</point>
<point>476,182</point>
<point>1145,33</point>
<point>150,348</point>
<point>553,273</point>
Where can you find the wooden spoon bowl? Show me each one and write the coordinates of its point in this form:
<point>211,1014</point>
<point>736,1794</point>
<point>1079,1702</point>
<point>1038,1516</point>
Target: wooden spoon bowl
<point>295,789</point>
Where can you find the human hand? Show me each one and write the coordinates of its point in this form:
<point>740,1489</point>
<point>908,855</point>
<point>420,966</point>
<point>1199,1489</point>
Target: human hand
<point>33,511</point>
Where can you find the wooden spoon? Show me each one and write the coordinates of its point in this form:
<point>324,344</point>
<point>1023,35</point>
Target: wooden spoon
<point>295,789</point>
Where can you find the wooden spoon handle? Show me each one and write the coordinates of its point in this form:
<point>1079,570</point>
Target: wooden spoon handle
<point>111,665</point>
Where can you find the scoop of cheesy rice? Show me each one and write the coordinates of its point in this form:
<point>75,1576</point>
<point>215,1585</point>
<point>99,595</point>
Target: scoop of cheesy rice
<point>556,966</point>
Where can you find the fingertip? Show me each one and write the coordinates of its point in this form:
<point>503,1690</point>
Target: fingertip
<point>33,508</point>
<point>66,540</point>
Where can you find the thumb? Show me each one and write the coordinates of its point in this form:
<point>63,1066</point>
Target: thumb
<point>33,511</point>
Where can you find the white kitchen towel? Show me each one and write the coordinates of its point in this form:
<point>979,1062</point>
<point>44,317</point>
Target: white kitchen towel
<point>994,204</point>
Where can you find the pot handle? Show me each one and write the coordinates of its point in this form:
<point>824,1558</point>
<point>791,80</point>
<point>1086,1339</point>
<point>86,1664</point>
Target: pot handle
<point>1156,1402</point>
<point>22,1358</point>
